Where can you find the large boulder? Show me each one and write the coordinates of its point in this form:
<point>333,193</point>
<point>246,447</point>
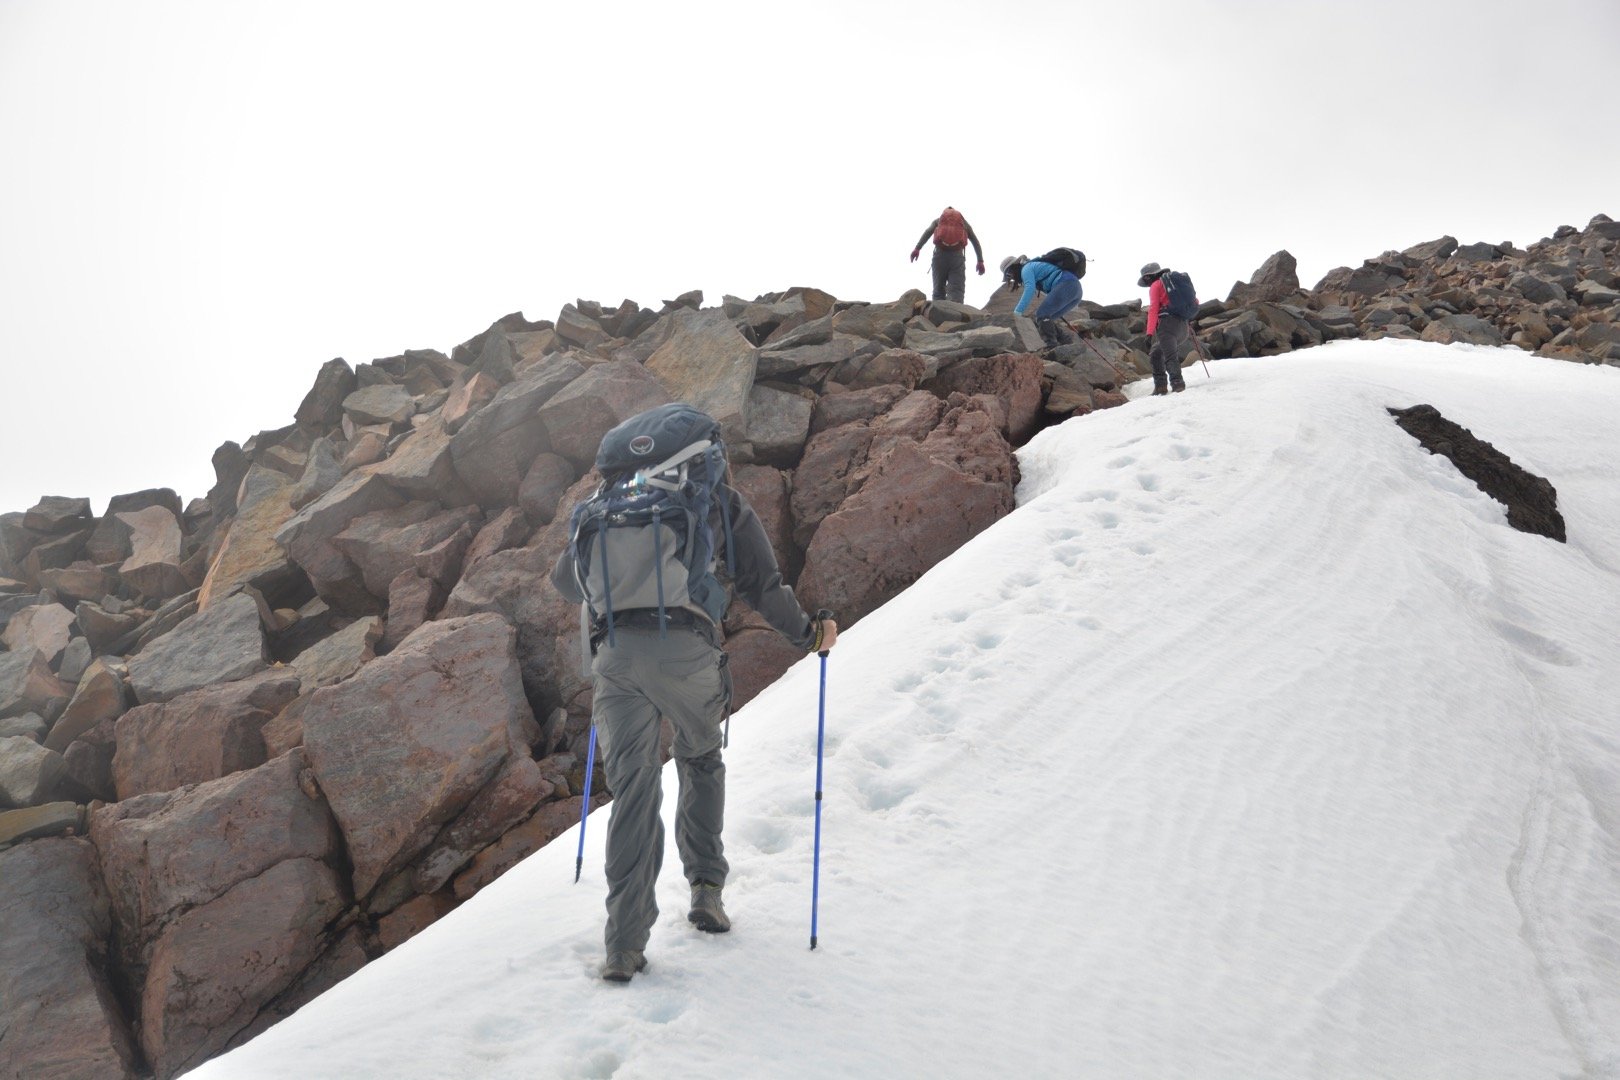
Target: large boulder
<point>322,407</point>
<point>492,450</point>
<point>27,685</point>
<point>59,1018</point>
<point>1469,329</point>
<point>102,694</point>
<point>307,538</point>
<point>385,542</point>
<point>199,736</point>
<point>600,399</point>
<point>218,965</point>
<point>153,566</point>
<point>921,501</point>
<point>778,423</point>
<point>165,854</point>
<point>423,467</point>
<point>224,643</point>
<point>28,771</point>
<point>1014,379</point>
<point>707,363</point>
<point>1277,279</point>
<point>249,554</point>
<point>403,747</point>
<point>46,628</point>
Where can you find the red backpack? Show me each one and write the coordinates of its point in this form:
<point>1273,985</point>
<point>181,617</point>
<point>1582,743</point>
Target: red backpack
<point>951,232</point>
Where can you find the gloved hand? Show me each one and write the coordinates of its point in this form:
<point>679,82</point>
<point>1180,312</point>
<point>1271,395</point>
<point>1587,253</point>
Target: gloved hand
<point>914,253</point>
<point>980,267</point>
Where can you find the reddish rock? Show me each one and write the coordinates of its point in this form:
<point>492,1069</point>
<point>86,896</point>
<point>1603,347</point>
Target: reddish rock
<point>468,394</point>
<point>384,542</point>
<point>77,583</point>
<point>832,462</point>
<point>101,627</point>
<point>507,529</point>
<point>336,657</point>
<point>421,466</point>
<point>1014,379</point>
<point>836,410</point>
<point>219,964</point>
<point>766,490</point>
<point>543,485</point>
<point>164,854</point>
<point>401,748</point>
<point>222,644</point>
<point>548,823</point>
<point>494,448</point>
<point>921,502</point>
<point>28,771</point>
<point>199,736</point>
<point>249,554</point>
<point>756,654</point>
<point>411,918</point>
<point>505,801</point>
<point>322,407</point>
<point>27,685</point>
<point>601,398</point>
<point>412,601</point>
<point>308,537</point>
<point>59,1019</point>
<point>442,562</point>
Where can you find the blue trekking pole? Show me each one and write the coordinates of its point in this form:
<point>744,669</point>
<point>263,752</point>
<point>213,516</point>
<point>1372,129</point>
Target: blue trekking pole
<point>821,738</point>
<point>585,805</point>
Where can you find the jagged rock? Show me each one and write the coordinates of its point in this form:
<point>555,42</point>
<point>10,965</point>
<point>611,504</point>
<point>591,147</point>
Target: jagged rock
<point>766,490</point>
<point>979,341</point>
<point>30,725</point>
<point>421,467</point>
<point>1432,250</point>
<point>707,363</point>
<point>921,502</point>
<point>28,771</point>
<point>249,554</point>
<point>1481,252</point>
<point>382,404</point>
<point>1532,504</point>
<point>222,644</point>
<point>217,966</point>
<point>199,736</point>
<point>508,529</point>
<point>75,659</point>
<point>442,562</point>
<point>468,394</point>
<point>89,761</point>
<point>1537,290</point>
<point>793,362</point>
<point>100,695</point>
<point>778,423</point>
<point>1465,328</point>
<point>758,320</point>
<point>322,471</point>
<point>34,822</point>
<point>55,515</point>
<point>504,802</point>
<point>1014,379</point>
<point>891,367</point>
<point>1277,279</point>
<point>412,600</point>
<point>55,554</point>
<point>835,410</point>
<point>78,582</point>
<point>27,685</point>
<point>165,854</point>
<point>517,844</point>
<point>335,658</point>
<point>153,566</point>
<point>308,539</point>
<point>101,627</point>
<point>59,1017</point>
<point>1593,293</point>
<point>576,328</point>
<point>886,323</point>
<point>494,448</point>
<point>322,407</point>
<point>384,542</point>
<point>1068,393</point>
<point>403,746</point>
<point>12,603</point>
<point>543,485</point>
<point>230,465</point>
<point>44,627</point>
<point>599,399</point>
<point>817,331</point>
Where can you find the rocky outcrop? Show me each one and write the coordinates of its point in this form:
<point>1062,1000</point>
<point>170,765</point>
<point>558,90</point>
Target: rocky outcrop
<point>304,717</point>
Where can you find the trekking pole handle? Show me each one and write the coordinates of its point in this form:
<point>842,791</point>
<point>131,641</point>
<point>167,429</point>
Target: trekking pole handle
<point>822,613</point>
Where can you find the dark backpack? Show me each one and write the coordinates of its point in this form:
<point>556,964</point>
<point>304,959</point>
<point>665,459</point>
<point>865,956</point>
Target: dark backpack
<point>1071,259</point>
<point>1180,299</point>
<point>642,541</point>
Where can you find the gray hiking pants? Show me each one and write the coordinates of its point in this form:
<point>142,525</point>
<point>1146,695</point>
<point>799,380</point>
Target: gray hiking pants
<point>1169,346</point>
<point>638,678</point>
<point>950,273</point>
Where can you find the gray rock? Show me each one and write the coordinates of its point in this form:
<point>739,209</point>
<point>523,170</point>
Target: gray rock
<point>153,566</point>
<point>322,407</point>
<point>75,659</point>
<point>1462,328</point>
<point>494,448</point>
<point>197,737</point>
<point>222,644</point>
<point>28,771</point>
<point>421,467</point>
<point>100,695</point>
<point>1480,252</point>
<point>1537,290</point>
<point>322,471</point>
<point>57,514</point>
<point>45,627</point>
<point>985,340</point>
<point>778,425</point>
<point>787,363</point>
<point>59,1018</point>
<point>1277,279</point>
<point>30,725</point>
<point>307,538</point>
<point>382,404</point>
<point>384,542</point>
<point>335,658</point>
<point>27,685</point>
<point>1432,250</point>
<point>601,398</point>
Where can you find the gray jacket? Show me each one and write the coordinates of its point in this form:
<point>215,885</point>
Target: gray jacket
<point>758,578</point>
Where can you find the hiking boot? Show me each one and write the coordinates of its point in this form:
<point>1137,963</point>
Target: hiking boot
<point>622,964</point>
<point>1158,390</point>
<point>1178,387</point>
<point>707,913</point>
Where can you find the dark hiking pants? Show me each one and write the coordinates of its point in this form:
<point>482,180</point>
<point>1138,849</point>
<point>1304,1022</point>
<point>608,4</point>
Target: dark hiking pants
<point>638,678</point>
<point>1169,346</point>
<point>950,273</point>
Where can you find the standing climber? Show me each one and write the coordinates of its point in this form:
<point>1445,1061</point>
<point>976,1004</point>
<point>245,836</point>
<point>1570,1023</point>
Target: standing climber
<point>666,512</point>
<point>1057,274</point>
<point>1172,304</point>
<point>951,234</point>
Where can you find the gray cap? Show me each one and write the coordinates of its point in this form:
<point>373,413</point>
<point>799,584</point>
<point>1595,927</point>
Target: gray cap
<point>1149,272</point>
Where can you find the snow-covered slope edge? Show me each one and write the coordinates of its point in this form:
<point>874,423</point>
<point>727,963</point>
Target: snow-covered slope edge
<point>1253,744</point>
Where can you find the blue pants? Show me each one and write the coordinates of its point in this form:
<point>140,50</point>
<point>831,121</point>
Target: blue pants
<point>1064,296</point>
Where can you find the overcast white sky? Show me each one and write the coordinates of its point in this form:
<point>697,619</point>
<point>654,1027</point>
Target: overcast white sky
<point>201,201</point>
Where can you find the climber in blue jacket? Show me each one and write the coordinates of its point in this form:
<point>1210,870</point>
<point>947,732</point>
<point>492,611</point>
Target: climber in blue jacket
<point>1061,287</point>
